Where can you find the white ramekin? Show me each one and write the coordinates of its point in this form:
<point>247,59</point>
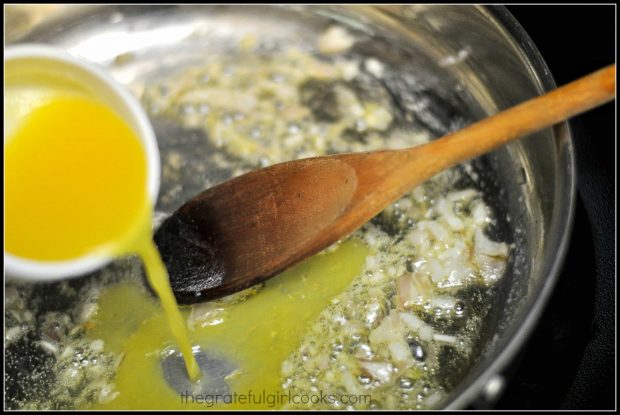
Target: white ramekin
<point>52,61</point>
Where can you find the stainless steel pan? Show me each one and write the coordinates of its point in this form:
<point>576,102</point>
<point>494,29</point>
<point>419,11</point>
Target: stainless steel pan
<point>457,64</point>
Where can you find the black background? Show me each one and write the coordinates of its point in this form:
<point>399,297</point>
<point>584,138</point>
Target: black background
<point>569,361</point>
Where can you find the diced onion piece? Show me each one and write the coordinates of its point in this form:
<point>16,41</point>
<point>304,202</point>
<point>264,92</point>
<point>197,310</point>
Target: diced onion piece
<point>399,349</point>
<point>335,40</point>
<point>436,270</point>
<point>348,103</point>
<point>87,311</point>
<point>438,231</point>
<point>350,384</point>
<point>413,288</point>
<point>377,117</point>
<point>419,195</point>
<point>490,256</point>
<point>381,371</point>
<point>419,238</point>
<point>363,351</point>
<point>480,213</point>
<point>14,334</point>
<point>444,302</point>
<point>491,268</point>
<point>484,246</point>
<point>374,67</point>
<point>48,346</point>
<point>426,333</point>
<point>446,210</point>
<point>444,338</point>
<point>413,322</point>
<point>390,328</point>
<point>348,69</point>
<point>461,195</point>
<point>407,292</point>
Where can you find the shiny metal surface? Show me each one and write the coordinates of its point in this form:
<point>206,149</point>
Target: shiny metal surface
<point>470,61</point>
<point>214,372</point>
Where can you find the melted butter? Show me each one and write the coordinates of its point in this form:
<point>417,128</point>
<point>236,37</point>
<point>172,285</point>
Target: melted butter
<point>158,277</point>
<point>257,334</point>
<point>75,186</point>
<point>72,173</point>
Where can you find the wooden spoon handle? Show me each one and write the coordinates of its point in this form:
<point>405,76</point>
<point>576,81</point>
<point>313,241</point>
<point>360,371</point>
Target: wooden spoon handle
<point>532,115</point>
<point>384,176</point>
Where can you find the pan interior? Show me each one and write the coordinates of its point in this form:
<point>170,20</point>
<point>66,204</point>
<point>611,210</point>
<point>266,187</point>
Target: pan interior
<point>429,88</point>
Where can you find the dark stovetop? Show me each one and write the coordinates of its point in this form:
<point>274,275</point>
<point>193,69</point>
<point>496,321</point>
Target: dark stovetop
<point>569,361</point>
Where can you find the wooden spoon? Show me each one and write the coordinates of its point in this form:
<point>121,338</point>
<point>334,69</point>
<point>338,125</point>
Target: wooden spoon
<point>252,227</point>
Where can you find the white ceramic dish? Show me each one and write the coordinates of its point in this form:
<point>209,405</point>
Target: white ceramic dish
<point>36,65</point>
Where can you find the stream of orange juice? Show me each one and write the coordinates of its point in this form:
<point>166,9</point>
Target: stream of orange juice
<point>75,180</point>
